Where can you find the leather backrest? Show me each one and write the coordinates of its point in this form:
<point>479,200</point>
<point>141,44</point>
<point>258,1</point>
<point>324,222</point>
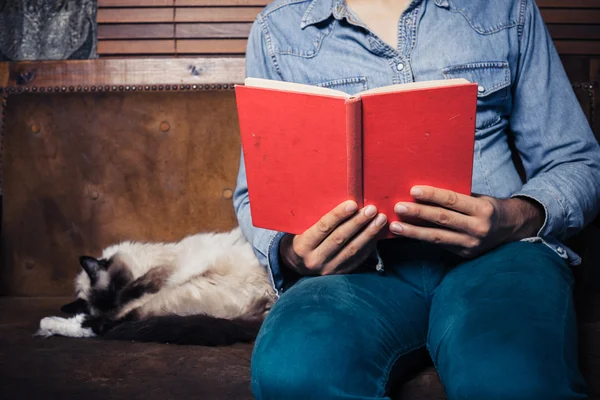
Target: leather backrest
<point>85,170</point>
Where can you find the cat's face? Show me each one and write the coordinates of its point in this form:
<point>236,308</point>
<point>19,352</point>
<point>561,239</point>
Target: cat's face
<point>99,286</point>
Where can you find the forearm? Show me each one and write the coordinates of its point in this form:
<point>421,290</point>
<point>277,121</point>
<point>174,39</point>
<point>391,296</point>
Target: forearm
<point>569,194</point>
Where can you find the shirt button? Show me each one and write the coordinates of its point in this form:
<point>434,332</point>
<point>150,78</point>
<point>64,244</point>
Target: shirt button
<point>480,89</point>
<point>400,66</point>
<point>560,250</point>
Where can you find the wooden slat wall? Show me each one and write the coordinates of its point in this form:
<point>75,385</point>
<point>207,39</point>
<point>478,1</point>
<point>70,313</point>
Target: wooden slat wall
<point>575,28</point>
<point>132,28</point>
<point>574,25</point>
<point>220,27</point>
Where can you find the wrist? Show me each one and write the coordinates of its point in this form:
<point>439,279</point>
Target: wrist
<point>525,216</point>
<point>286,259</point>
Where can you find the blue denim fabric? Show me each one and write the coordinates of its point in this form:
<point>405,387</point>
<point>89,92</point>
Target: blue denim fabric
<point>504,46</point>
<point>501,327</point>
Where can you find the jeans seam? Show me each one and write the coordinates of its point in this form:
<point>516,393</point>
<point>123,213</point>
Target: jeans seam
<point>388,368</point>
<point>425,282</point>
<point>434,356</point>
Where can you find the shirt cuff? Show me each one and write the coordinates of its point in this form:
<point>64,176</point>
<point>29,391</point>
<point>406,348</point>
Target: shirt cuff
<point>273,259</point>
<point>555,213</point>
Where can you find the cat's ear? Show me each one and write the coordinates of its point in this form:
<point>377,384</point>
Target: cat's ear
<point>91,266</point>
<point>79,306</point>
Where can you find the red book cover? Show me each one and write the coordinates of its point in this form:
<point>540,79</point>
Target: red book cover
<point>302,155</point>
<point>417,137</point>
<point>306,152</point>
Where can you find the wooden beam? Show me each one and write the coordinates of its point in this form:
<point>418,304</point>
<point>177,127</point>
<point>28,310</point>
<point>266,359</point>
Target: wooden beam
<point>216,14</point>
<point>135,31</point>
<point>568,3</point>
<point>571,16</point>
<point>136,47</point>
<point>180,3</point>
<point>146,71</point>
<point>585,32</point>
<point>211,30</point>
<point>136,15</point>
<point>583,47</point>
<point>135,3</point>
<point>5,74</point>
<point>211,46</point>
<point>196,3</point>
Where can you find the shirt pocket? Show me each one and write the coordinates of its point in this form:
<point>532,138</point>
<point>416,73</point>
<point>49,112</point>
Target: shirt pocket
<point>350,86</point>
<point>308,45</point>
<point>493,80</point>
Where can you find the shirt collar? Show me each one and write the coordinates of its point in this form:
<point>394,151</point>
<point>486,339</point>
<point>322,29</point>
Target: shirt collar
<point>320,10</point>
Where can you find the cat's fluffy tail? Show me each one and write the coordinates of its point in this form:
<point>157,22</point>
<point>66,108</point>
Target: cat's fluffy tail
<point>200,330</point>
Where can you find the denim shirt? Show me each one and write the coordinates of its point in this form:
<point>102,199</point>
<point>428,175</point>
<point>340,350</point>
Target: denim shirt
<point>524,96</point>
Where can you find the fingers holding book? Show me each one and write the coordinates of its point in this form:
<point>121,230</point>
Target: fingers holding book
<point>465,225</point>
<point>338,243</point>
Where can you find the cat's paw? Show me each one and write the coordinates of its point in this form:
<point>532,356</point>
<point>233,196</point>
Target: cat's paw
<point>149,283</point>
<point>70,327</point>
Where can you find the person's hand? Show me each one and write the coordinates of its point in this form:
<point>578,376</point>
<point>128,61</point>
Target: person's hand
<point>467,225</point>
<point>338,243</point>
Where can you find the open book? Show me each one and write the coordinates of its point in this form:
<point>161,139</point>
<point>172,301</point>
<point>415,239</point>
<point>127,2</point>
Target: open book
<point>307,148</point>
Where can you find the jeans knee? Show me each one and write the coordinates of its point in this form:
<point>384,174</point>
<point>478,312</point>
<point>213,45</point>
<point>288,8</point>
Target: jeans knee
<point>481,382</point>
<point>275,377</point>
<point>493,390</point>
<point>310,346</point>
<point>295,362</point>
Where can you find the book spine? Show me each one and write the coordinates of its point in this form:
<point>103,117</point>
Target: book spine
<point>354,147</point>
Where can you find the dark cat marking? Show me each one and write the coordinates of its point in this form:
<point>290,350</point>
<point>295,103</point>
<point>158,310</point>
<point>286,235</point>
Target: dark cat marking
<point>93,266</point>
<point>79,306</point>
<point>191,330</point>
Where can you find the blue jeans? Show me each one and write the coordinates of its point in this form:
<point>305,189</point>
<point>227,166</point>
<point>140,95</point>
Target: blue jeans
<point>501,326</point>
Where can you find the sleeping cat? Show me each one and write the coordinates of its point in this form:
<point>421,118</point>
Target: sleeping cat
<point>207,289</point>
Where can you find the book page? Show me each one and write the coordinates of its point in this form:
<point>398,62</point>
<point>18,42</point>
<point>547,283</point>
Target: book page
<point>293,87</point>
<point>311,89</point>
<point>415,85</point>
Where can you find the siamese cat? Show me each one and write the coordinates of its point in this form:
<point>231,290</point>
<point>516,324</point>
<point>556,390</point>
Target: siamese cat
<point>207,289</point>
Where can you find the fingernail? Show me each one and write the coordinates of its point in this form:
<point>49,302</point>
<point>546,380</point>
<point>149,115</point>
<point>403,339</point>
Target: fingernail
<point>351,206</point>
<point>400,209</point>
<point>370,211</point>
<point>380,220</point>
<point>396,227</point>
<point>416,192</point>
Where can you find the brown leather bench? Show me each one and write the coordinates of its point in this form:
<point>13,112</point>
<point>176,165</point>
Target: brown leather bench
<point>99,151</point>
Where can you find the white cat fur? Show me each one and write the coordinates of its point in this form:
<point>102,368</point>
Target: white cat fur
<point>215,274</point>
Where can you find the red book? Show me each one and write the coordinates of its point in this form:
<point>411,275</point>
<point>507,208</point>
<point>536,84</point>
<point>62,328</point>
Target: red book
<point>307,148</point>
